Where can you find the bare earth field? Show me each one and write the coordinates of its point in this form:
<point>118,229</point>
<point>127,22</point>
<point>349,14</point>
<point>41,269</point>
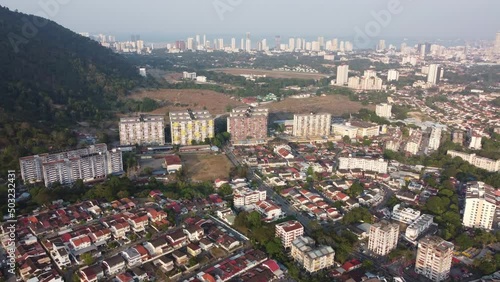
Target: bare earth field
<point>181,99</point>
<point>272,73</point>
<point>420,116</point>
<point>334,104</point>
<point>206,167</point>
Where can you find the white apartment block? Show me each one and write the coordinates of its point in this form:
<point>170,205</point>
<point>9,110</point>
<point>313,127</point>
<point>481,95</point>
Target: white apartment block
<point>189,75</point>
<point>142,130</point>
<point>392,75</point>
<point>434,258</point>
<point>475,141</point>
<point>369,81</point>
<point>312,258</point>
<point>188,126</point>
<point>383,237</point>
<point>312,125</point>
<point>244,196</point>
<point>480,205</point>
<point>366,164</point>
<point>91,163</point>
<point>480,162</point>
<point>497,44</point>
<point>344,130</point>
<point>365,129</point>
<point>289,231</point>
<point>434,75</point>
<point>404,214</point>
<point>384,110</point>
<point>421,224</point>
<point>434,139</point>
<point>414,142</point>
<point>342,75</point>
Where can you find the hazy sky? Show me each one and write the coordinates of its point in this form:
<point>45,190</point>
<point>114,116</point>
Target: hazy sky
<point>418,18</point>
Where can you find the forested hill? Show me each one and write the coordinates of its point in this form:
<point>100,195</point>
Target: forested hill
<point>50,77</point>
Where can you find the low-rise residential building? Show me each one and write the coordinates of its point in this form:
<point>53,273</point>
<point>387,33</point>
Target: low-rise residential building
<point>157,246</point>
<point>404,214</point>
<point>193,249</point>
<point>422,223</point>
<point>366,164</point>
<point>100,237</point>
<point>132,256</point>
<point>119,230</point>
<point>139,223</point>
<point>92,273</point>
<point>268,210</point>
<point>113,265</point>
<point>194,233</point>
<point>172,164</point>
<point>289,231</point>
<point>79,243</point>
<point>166,263</point>
<point>312,258</point>
<point>244,196</point>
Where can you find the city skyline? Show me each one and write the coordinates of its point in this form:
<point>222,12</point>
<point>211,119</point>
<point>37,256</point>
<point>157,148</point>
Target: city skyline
<point>444,19</point>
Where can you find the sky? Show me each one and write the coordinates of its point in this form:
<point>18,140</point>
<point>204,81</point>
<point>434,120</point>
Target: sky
<point>466,19</point>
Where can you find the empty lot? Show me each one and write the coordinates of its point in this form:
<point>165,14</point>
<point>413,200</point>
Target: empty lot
<point>206,167</point>
<point>333,104</point>
<point>181,99</point>
<point>272,73</point>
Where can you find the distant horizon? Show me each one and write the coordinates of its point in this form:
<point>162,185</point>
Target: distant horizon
<point>177,19</point>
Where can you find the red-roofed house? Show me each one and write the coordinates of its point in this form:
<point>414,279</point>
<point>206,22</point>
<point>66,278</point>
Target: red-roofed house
<point>139,223</point>
<point>156,216</point>
<point>120,230</point>
<point>80,242</point>
<point>91,273</point>
<point>269,211</point>
<point>172,163</point>
<point>351,265</point>
<point>101,236</point>
<point>273,266</point>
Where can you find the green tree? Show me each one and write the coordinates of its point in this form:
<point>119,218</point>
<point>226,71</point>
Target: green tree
<point>360,214</point>
<point>87,259</point>
<point>355,190</point>
<point>254,219</point>
<point>273,247</point>
<point>346,139</point>
<point>463,241</point>
<point>225,190</point>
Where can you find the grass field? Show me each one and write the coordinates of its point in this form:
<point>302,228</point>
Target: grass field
<point>181,99</point>
<point>272,73</point>
<point>206,167</point>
